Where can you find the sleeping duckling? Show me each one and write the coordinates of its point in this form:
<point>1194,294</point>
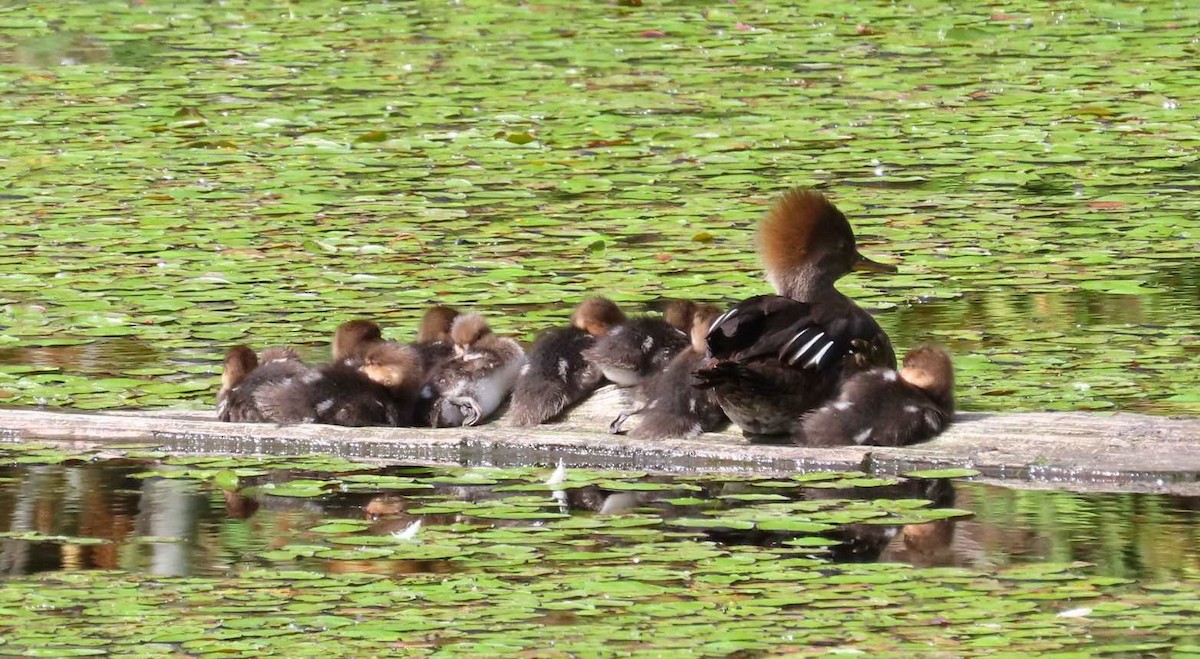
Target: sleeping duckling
<point>245,373</point>
<point>353,338</point>
<point>433,336</point>
<point>881,407</point>
<point>474,383</point>
<point>381,392</point>
<point>669,404</point>
<point>641,346</point>
<point>556,375</point>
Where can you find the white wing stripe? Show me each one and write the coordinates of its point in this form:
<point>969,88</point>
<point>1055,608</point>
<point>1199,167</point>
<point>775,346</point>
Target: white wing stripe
<point>798,335</point>
<point>816,360</point>
<point>801,351</point>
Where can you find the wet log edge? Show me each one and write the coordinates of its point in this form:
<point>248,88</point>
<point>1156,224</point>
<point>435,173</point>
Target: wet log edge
<point>1070,450</point>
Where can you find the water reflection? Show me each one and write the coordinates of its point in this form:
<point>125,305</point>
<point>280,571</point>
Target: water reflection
<point>179,527</point>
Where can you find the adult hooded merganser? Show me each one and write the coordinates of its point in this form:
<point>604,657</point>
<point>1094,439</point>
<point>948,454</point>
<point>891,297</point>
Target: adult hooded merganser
<point>353,338</point>
<point>556,375</point>
<point>246,374</point>
<point>474,383</point>
<point>881,407</point>
<point>776,357</point>
<point>381,392</point>
<point>670,405</point>
<point>641,346</point>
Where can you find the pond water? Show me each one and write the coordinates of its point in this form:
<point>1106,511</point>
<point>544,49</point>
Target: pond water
<point>290,554</point>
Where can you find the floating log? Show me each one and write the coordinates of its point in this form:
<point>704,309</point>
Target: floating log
<point>1070,450</point>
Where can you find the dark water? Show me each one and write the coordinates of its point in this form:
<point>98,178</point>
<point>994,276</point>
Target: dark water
<point>183,527</point>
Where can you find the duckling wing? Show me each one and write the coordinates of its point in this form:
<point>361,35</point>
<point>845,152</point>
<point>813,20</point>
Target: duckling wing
<point>797,334</point>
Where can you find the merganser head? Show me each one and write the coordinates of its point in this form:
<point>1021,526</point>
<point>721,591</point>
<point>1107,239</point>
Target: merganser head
<point>239,361</point>
<point>435,325</point>
<point>679,314</point>
<point>929,368</point>
<point>392,365</point>
<point>468,330</point>
<point>597,315</point>
<point>807,244</point>
<point>352,338</point>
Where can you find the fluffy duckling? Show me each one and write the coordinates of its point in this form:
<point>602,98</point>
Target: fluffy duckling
<point>245,374</point>
<point>433,336</point>
<point>353,338</point>
<point>776,357</point>
<point>381,392</point>
<point>435,347</point>
<point>641,346</point>
<point>473,384</point>
<point>881,407</point>
<point>556,375</point>
<point>670,405</point>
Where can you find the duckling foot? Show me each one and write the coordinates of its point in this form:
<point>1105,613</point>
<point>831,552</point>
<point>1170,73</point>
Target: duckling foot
<point>471,413</point>
<point>615,428</point>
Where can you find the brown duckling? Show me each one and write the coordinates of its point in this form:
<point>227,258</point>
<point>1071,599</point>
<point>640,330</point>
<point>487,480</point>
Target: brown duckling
<point>881,407</point>
<point>670,406</point>
<point>642,346</point>
<point>245,374</point>
<point>473,384</point>
<point>556,375</point>
<point>776,357</point>
<point>381,392</point>
<point>353,338</point>
<point>433,336</point>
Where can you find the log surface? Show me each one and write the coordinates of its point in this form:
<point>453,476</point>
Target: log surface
<point>1080,451</point>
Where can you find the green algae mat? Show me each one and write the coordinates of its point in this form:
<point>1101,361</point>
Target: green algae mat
<point>132,553</point>
<point>179,177</point>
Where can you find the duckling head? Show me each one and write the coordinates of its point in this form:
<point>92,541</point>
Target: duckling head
<point>392,365</point>
<point>435,325</point>
<point>597,315</point>
<point>679,314</point>
<point>468,330</point>
<point>929,368</point>
<point>352,339</point>
<point>702,320</point>
<point>239,361</point>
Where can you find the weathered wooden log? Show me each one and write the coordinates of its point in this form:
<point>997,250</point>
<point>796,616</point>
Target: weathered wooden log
<point>1083,451</point>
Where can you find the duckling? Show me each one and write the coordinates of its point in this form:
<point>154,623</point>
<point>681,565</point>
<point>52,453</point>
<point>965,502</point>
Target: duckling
<point>556,375</point>
<point>381,392</point>
<point>475,382</point>
<point>433,337</point>
<point>670,405</point>
<point>776,357</point>
<point>881,407</point>
<point>436,348</point>
<point>642,346</point>
<point>353,338</point>
<point>245,374</point>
